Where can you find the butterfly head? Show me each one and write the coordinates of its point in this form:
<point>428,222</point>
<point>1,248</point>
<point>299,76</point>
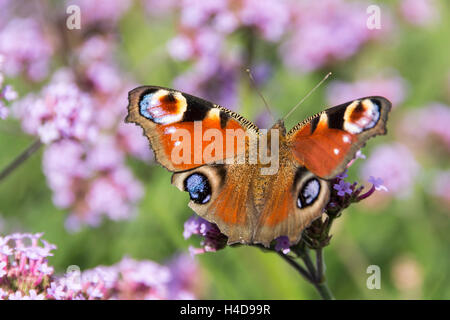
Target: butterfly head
<point>279,125</point>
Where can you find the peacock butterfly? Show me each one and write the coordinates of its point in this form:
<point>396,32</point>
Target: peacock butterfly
<point>247,204</point>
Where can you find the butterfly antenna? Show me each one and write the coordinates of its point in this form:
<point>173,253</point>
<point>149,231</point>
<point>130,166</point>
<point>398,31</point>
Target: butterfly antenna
<point>305,97</point>
<point>252,80</point>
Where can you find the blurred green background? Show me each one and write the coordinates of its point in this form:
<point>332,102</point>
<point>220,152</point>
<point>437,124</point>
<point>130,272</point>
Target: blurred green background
<point>407,237</point>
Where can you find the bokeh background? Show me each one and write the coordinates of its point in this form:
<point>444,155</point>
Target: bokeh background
<point>95,192</point>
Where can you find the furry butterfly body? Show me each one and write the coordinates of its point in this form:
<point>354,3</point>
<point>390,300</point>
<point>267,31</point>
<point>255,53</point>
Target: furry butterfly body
<point>247,205</point>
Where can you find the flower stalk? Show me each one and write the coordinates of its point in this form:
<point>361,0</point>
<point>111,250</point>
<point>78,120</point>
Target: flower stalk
<point>21,158</point>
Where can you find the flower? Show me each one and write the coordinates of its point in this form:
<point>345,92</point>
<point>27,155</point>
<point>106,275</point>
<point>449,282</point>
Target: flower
<point>25,48</point>
<point>213,80</point>
<point>3,293</point>
<point>186,277</point>
<point>32,295</point>
<point>270,17</point>
<point>427,126</point>
<point>101,11</point>
<point>21,259</point>
<point>91,182</point>
<point>7,93</point>
<point>377,183</point>
<point>393,87</point>
<point>2,269</point>
<point>16,296</point>
<point>62,110</point>
<point>342,188</point>
<point>282,244</point>
<point>213,239</point>
<point>440,187</point>
<point>56,291</point>
<point>128,279</point>
<point>395,165</point>
<point>419,12</point>
<point>407,276</point>
<point>326,31</point>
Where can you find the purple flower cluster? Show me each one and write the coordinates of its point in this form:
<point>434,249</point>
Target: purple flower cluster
<point>419,12</point>
<point>26,275</point>
<point>427,125</point>
<point>282,244</point>
<point>310,35</point>
<point>7,93</point>
<point>101,12</point>
<point>216,80</point>
<point>426,132</point>
<point>441,186</point>
<point>91,181</point>
<point>213,239</point>
<point>326,31</point>
<point>392,87</point>
<point>26,48</point>
<point>60,111</point>
<point>88,142</point>
<point>79,116</point>
<point>24,269</point>
<point>127,280</point>
<point>344,192</point>
<point>204,25</point>
<point>395,165</point>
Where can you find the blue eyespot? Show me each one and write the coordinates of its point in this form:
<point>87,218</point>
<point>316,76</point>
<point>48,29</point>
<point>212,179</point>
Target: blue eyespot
<point>309,193</point>
<point>198,187</point>
<point>145,104</point>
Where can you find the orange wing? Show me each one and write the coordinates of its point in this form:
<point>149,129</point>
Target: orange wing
<point>326,142</point>
<point>182,129</point>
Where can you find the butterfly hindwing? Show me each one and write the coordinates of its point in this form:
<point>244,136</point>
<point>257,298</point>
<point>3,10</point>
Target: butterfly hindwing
<point>294,198</point>
<point>222,194</point>
<point>328,141</point>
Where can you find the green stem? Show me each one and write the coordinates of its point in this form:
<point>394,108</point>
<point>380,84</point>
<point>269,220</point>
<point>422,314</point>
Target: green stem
<point>20,159</point>
<point>297,267</point>
<point>313,274</point>
<point>324,291</point>
<point>309,264</point>
<point>320,264</point>
<point>321,285</point>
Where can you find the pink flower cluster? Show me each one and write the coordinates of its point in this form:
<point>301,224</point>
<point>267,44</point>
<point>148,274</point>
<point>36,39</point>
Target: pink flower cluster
<point>7,93</point>
<point>60,111</point>
<point>85,160</point>
<point>101,12</point>
<point>24,269</point>
<point>427,125</point>
<point>204,25</point>
<point>128,280</point>
<point>213,239</point>
<point>441,186</point>
<point>419,12</point>
<point>26,275</point>
<point>91,181</point>
<point>79,114</point>
<point>326,31</point>
<point>392,87</point>
<point>26,48</point>
<point>426,132</point>
<point>311,34</point>
<point>395,165</point>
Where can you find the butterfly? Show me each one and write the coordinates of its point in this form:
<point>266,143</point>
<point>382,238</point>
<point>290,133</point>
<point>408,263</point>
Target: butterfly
<point>250,207</point>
